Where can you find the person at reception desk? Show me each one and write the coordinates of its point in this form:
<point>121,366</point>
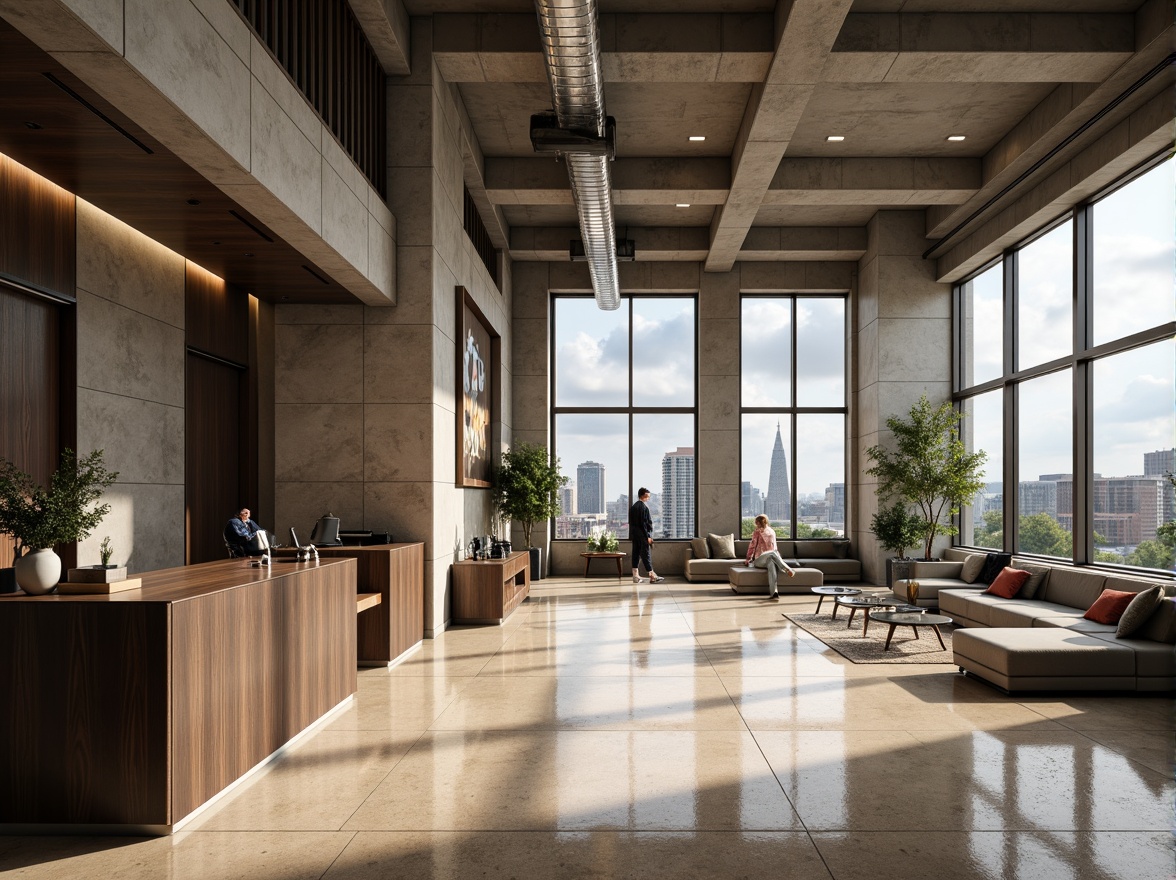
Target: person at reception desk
<point>241,535</point>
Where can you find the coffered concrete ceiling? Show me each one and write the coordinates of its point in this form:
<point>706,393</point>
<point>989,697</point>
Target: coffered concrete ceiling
<point>767,84</point>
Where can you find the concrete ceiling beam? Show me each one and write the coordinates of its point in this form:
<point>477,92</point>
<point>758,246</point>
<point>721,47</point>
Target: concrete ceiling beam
<point>515,181</point>
<point>385,24</point>
<point>980,47</point>
<point>806,31</point>
<point>639,47</point>
<point>885,181</point>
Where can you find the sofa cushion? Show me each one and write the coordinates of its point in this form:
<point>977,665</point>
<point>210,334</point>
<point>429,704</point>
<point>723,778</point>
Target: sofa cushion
<point>921,570</point>
<point>1034,653</point>
<point>1025,612</point>
<point>1073,587</point>
<point>1037,577</point>
<point>1008,583</point>
<point>1109,606</point>
<point>703,567</point>
<point>1152,659</point>
<point>841,549</point>
<point>1132,585</point>
<point>700,549</point>
<point>1078,624</point>
<point>815,550</point>
<point>971,568</point>
<point>993,564</point>
<point>832,567</point>
<point>1161,626</point>
<point>957,554</point>
<point>721,546</point>
<point>1140,609</point>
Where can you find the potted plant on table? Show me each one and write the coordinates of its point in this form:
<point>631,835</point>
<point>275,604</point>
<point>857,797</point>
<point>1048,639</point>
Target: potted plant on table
<point>928,468</point>
<point>603,542</point>
<point>41,518</point>
<point>527,488</point>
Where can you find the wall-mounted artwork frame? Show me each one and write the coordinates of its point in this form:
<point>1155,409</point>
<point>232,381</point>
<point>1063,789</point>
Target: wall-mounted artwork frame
<point>476,393</point>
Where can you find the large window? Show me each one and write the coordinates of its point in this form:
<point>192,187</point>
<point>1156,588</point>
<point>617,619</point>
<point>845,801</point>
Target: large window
<point>624,413</point>
<point>793,414</point>
<point>1087,380</point>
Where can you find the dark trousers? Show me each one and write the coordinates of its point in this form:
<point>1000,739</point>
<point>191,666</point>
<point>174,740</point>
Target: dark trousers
<point>641,554</point>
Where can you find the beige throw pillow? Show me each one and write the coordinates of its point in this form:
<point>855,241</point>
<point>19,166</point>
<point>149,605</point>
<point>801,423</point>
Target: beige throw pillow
<point>973,565</point>
<point>1037,576</point>
<point>701,551</point>
<point>721,546</point>
<point>1141,608</point>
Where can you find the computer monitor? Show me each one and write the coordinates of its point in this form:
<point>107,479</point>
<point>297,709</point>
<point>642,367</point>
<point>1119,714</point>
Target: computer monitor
<point>294,538</point>
<point>259,544</point>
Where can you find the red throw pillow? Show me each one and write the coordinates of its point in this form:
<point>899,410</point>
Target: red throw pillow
<point>1109,607</point>
<point>1009,582</point>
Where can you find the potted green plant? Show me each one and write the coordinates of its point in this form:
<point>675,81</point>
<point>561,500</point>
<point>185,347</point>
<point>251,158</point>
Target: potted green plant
<point>527,487</point>
<point>896,528</point>
<point>928,467</point>
<point>40,518</point>
<point>603,542</point>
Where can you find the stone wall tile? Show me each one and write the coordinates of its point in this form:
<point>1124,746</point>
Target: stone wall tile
<point>344,218</point>
<point>397,360</point>
<point>285,161</point>
<point>311,360</point>
<point>290,313</point>
<point>718,348</point>
<point>145,526</point>
<point>398,443</point>
<point>271,77</point>
<point>122,265</point>
<point>143,440</point>
<point>128,353</point>
<point>318,441</point>
<point>301,504</point>
<point>718,403</point>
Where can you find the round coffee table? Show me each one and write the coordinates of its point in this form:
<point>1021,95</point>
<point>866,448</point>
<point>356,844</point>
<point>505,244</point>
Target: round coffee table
<point>865,603</point>
<point>822,592</point>
<point>911,619</point>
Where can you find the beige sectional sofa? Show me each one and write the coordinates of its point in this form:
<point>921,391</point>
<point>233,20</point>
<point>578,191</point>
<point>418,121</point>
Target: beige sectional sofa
<point>1043,642</point>
<point>831,558</point>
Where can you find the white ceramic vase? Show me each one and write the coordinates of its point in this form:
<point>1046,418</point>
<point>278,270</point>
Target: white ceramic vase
<point>38,572</point>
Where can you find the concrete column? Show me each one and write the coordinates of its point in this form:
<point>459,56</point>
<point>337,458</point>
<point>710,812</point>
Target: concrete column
<point>718,402</point>
<point>902,349</point>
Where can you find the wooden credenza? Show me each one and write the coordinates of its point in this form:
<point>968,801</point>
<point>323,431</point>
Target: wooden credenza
<point>488,590</point>
<point>396,624</point>
<point>128,712</point>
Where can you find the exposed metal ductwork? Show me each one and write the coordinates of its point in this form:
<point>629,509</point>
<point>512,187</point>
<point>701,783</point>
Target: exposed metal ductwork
<point>571,48</point>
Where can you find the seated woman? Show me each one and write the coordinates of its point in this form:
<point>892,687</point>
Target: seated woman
<point>241,535</point>
<point>762,553</point>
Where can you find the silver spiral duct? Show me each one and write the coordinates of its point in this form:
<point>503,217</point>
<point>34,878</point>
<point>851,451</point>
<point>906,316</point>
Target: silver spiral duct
<point>571,48</point>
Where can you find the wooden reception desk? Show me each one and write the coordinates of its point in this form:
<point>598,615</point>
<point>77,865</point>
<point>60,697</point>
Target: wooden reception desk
<point>128,712</point>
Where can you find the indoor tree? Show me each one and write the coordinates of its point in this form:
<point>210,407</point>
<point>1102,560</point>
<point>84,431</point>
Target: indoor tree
<point>928,467</point>
<point>527,486</point>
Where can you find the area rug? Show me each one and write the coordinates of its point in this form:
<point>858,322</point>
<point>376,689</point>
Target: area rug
<point>849,643</point>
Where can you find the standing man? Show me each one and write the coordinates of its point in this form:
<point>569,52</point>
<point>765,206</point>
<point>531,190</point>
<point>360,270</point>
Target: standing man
<point>641,532</point>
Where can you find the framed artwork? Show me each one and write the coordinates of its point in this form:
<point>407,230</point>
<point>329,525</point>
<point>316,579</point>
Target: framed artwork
<point>477,392</point>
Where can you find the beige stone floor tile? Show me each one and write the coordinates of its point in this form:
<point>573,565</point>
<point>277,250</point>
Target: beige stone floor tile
<point>951,781</point>
<point>592,703</point>
<point>197,855</point>
<point>579,780</point>
<point>314,787</point>
<point>997,855</point>
<point>1153,749</point>
<point>1128,711</point>
<point>390,702</point>
<point>859,703</point>
<point>744,627</point>
<point>618,855</point>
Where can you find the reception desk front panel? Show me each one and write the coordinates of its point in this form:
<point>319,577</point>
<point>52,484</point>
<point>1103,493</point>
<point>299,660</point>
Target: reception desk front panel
<point>135,709</point>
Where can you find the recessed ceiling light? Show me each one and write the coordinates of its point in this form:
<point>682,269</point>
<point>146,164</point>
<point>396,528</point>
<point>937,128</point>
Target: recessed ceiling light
<point>835,137</point>
<point>698,137</point>
<point>681,205</point>
<point>956,137</point>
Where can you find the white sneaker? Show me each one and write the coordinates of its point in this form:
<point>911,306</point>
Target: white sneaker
<point>638,580</point>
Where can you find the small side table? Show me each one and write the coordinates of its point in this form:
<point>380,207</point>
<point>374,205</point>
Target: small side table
<point>588,557</point>
<point>822,592</point>
<point>913,620</point>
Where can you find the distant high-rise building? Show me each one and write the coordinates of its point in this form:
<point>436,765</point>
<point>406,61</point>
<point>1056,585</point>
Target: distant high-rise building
<point>677,497</point>
<point>1159,463</point>
<point>590,488</point>
<point>1038,496</point>
<point>567,499</point>
<point>753,500</point>
<point>835,503</point>
<point>778,503</point>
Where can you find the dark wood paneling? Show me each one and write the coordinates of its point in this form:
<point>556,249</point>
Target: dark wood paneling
<point>78,150</point>
<point>30,388</point>
<point>213,453</point>
<point>84,686</point>
<point>216,316</point>
<point>165,695</point>
<point>37,231</point>
<point>397,573</point>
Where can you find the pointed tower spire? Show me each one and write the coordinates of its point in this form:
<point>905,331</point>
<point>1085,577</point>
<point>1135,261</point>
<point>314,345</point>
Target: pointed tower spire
<point>778,503</point>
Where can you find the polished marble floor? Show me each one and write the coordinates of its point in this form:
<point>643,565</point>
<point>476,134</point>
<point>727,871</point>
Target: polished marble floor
<point>677,730</point>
